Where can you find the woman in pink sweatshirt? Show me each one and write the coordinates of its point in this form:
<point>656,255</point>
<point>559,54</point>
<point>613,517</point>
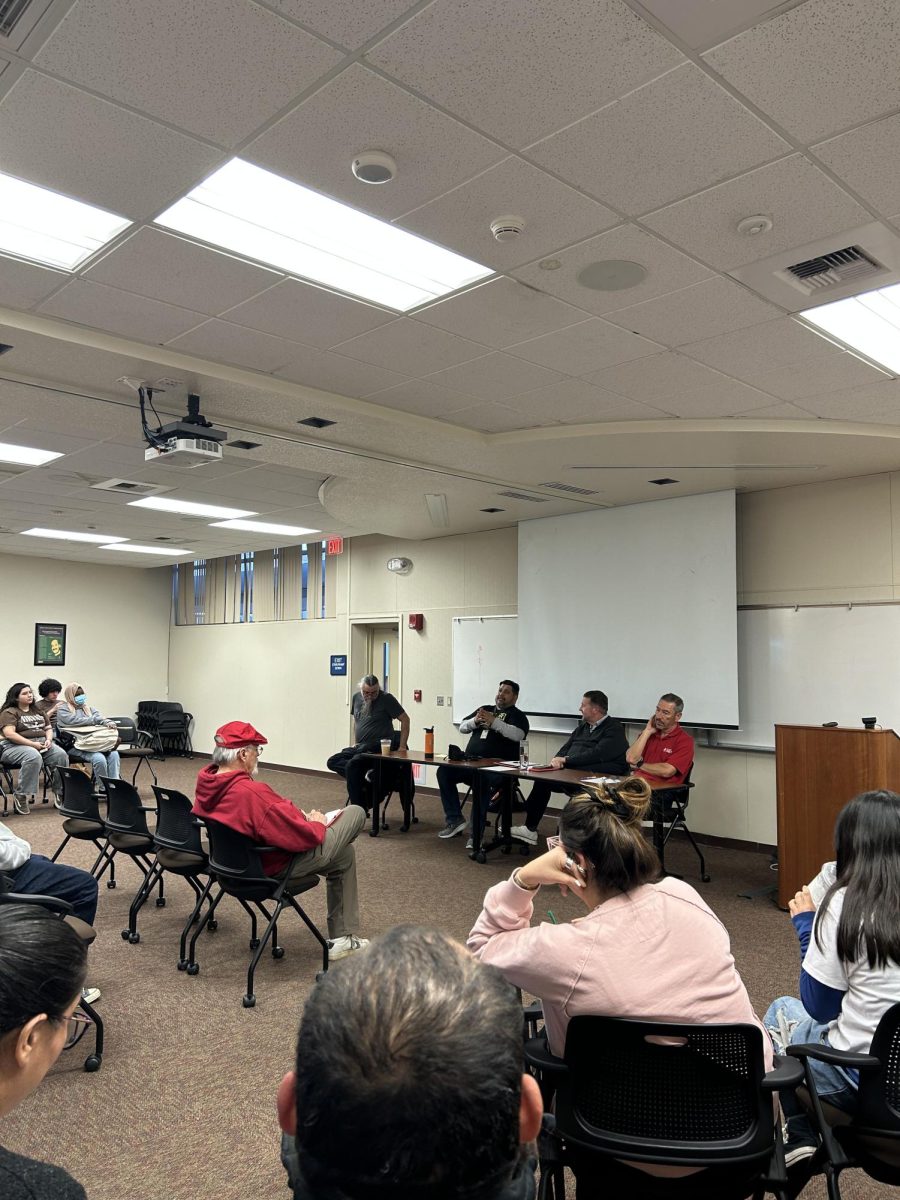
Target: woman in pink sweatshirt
<point>646,947</point>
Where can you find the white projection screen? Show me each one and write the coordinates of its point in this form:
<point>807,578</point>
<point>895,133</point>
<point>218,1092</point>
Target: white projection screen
<point>637,601</point>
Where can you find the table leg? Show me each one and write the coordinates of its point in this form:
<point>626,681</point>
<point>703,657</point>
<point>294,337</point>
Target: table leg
<point>376,791</point>
<point>659,831</point>
<point>404,789</point>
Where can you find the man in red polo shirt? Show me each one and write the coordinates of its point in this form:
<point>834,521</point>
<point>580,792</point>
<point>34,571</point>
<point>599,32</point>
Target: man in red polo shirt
<point>663,750</point>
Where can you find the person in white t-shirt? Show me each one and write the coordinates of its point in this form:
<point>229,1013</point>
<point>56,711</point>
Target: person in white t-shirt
<point>848,923</point>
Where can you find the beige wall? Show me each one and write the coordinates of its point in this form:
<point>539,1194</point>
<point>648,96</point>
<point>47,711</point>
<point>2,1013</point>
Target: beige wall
<point>117,633</point>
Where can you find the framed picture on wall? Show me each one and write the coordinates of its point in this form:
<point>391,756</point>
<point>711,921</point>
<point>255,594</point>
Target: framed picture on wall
<point>49,645</point>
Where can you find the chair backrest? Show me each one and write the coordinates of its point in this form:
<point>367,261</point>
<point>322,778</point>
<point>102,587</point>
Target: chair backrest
<point>654,1091</point>
<point>125,813</point>
<point>235,861</point>
<point>878,1102</point>
<point>78,800</point>
<point>176,826</point>
<point>127,730</point>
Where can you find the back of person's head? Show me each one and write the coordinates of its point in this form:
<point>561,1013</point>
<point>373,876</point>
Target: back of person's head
<point>867,845</point>
<point>42,965</point>
<point>46,686</point>
<point>409,1074</point>
<point>603,822</point>
<point>12,696</point>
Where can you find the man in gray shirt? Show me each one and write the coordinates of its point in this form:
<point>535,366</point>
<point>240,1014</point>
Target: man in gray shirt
<point>374,713</point>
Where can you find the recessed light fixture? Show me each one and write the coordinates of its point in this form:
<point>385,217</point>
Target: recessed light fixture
<point>189,508</point>
<point>48,228</point>
<point>264,527</point>
<point>436,503</point>
<point>316,422</point>
<point>663,482</point>
<point>869,323</point>
<point>244,445</point>
<point>134,548</point>
<point>255,213</point>
<point>29,456</point>
<point>67,535</point>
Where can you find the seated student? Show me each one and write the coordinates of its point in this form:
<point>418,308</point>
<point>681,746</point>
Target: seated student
<point>496,731</point>
<point>848,926</point>
<point>74,714</point>
<point>48,690</point>
<point>408,1079</point>
<point>28,744</point>
<point>226,791</point>
<point>663,750</point>
<point>597,743</point>
<point>42,965</point>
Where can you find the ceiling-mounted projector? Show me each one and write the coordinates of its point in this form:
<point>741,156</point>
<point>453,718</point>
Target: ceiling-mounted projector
<point>190,442</point>
<point>183,451</point>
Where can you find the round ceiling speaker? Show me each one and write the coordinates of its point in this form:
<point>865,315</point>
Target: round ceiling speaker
<point>611,275</point>
<point>373,166</point>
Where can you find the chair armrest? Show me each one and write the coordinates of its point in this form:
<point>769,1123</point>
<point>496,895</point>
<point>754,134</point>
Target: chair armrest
<point>787,1073</point>
<point>146,808</point>
<point>52,902</point>
<point>537,1055</point>
<point>841,1058</point>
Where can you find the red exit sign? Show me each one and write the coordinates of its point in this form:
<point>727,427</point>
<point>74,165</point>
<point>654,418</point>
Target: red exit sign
<point>335,545</point>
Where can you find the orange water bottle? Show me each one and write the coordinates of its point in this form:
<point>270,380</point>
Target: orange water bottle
<point>429,741</point>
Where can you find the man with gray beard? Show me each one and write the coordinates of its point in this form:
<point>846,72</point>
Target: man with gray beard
<point>374,713</point>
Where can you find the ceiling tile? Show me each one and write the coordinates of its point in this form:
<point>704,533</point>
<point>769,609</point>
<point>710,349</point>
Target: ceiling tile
<point>555,215</point>
<point>746,353</point>
<point>520,79</point>
<point>136,167</point>
<point>586,347</point>
<point>23,284</point>
<point>668,270</point>
<point>308,314</point>
<point>217,78</point>
<point>489,418</point>
<point>716,305</point>
<point>334,373</point>
<point>494,377</point>
<point>575,401</point>
<point>801,200</point>
<point>779,412</point>
<point>499,313</point>
<point>700,24</point>
<point>223,342</point>
<point>349,24</point>
<point>692,134</point>
<point>878,402</point>
<point>358,110</point>
<point>723,399</point>
<point>868,159</point>
<point>651,379</point>
<point>837,372</point>
<point>779,65</point>
<point>120,312</point>
<point>178,271</point>
<point>410,347</point>
<point>423,397</point>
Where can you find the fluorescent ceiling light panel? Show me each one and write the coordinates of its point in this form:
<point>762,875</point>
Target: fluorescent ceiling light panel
<point>189,509</point>
<point>264,527</point>
<point>29,456</point>
<point>133,548</point>
<point>259,215</point>
<point>48,228</point>
<point>66,535</point>
<point>869,324</point>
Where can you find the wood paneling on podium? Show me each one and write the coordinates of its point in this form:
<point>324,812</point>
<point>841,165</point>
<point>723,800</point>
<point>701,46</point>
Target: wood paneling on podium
<point>816,772</point>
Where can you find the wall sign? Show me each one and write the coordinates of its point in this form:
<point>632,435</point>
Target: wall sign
<point>339,664</point>
<point>49,645</point>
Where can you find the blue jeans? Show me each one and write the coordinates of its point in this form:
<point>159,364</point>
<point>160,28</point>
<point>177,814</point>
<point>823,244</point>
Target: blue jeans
<point>41,877</point>
<point>482,786</point>
<point>104,766</point>
<point>788,1022</point>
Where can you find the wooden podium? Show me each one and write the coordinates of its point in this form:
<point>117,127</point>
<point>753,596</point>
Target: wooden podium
<point>817,771</point>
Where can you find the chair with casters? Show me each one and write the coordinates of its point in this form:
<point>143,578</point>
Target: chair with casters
<point>668,809</point>
<point>129,834</point>
<point>83,822</point>
<point>236,865</point>
<point>869,1138</point>
<point>665,1095</point>
<point>87,934</point>
<point>135,745</point>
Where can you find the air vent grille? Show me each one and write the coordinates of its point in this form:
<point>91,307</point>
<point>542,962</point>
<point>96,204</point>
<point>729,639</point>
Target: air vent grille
<point>131,486</point>
<point>570,487</point>
<point>11,12</point>
<point>525,496</point>
<point>835,269</point>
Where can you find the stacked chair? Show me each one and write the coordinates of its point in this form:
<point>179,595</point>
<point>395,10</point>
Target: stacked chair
<point>167,726</point>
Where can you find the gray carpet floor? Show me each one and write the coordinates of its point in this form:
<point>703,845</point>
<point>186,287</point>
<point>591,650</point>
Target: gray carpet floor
<point>184,1104</point>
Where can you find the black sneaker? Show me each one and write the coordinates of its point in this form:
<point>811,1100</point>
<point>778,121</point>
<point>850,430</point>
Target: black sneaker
<point>20,804</point>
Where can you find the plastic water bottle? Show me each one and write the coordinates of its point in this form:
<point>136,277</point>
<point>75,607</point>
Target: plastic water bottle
<point>523,754</point>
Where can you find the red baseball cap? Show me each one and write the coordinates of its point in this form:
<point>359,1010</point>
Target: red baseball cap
<point>239,733</point>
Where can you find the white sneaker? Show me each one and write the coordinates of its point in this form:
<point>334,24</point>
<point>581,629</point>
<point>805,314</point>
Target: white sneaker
<point>90,995</point>
<point>521,833</point>
<point>452,828</point>
<point>798,1153</point>
<point>21,805</point>
<point>342,946</point>
<point>470,844</point>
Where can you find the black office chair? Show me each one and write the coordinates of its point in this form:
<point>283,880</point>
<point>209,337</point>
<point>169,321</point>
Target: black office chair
<point>870,1137</point>
<point>666,1095</point>
<point>669,805</point>
<point>8,785</point>
<point>236,865</point>
<point>129,834</point>
<point>83,822</point>
<point>135,745</point>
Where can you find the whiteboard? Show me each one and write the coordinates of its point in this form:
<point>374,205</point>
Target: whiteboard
<point>485,650</point>
<point>810,665</point>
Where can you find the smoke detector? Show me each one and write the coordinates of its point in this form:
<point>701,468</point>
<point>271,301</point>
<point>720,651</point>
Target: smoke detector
<point>754,226</point>
<point>373,166</point>
<point>507,229</point>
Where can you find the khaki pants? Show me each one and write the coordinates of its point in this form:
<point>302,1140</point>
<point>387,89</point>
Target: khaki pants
<point>336,860</point>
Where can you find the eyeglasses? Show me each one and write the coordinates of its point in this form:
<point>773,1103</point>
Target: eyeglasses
<point>77,1027</point>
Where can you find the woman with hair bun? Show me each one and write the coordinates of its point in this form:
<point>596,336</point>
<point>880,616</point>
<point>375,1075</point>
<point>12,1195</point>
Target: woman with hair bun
<point>646,948</point>
<point>42,969</point>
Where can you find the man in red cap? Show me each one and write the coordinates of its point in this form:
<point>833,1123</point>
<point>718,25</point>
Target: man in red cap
<point>227,792</point>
